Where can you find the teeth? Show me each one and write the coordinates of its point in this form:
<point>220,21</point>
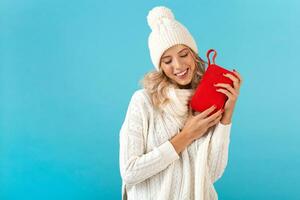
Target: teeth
<point>182,73</point>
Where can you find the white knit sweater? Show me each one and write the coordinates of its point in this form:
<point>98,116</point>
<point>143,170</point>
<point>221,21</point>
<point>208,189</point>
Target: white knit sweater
<point>149,165</point>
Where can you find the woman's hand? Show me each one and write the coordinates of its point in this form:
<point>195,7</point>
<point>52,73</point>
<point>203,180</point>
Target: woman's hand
<point>196,126</point>
<point>232,93</point>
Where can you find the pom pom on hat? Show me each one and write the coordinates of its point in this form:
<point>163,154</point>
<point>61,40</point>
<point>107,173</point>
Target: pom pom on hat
<point>158,13</point>
<point>166,32</point>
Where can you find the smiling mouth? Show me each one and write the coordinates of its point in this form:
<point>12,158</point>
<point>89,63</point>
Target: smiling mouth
<point>183,73</point>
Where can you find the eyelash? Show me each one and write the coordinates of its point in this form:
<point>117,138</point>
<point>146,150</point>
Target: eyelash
<point>180,56</point>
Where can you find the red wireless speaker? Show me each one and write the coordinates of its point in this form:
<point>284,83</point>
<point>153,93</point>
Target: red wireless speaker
<point>205,94</point>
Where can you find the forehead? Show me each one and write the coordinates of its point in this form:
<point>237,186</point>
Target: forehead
<point>174,50</point>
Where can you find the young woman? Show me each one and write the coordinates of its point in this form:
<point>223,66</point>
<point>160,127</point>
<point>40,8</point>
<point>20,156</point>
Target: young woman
<point>166,151</point>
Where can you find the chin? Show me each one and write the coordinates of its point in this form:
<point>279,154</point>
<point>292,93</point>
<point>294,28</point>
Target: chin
<point>184,83</point>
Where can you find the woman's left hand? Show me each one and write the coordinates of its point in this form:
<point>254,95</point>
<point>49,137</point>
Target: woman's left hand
<point>232,93</point>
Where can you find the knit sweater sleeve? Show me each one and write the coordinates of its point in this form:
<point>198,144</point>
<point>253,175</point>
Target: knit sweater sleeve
<point>218,150</point>
<point>136,165</point>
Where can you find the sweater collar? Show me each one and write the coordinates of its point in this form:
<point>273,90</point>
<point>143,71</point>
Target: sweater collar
<point>178,104</point>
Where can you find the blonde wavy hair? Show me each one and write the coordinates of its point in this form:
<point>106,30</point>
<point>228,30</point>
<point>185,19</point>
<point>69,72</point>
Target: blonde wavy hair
<point>156,82</point>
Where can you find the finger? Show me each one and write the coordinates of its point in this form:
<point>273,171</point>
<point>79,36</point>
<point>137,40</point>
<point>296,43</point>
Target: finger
<point>235,84</point>
<point>196,113</point>
<point>214,122</point>
<point>228,87</point>
<point>233,78</point>
<point>214,116</point>
<point>227,93</point>
<point>205,112</point>
<point>239,76</point>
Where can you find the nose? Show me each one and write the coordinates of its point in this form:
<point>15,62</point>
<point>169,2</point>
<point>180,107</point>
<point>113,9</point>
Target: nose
<point>177,65</point>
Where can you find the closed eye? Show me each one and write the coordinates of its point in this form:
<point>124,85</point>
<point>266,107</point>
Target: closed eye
<point>168,62</point>
<point>184,55</point>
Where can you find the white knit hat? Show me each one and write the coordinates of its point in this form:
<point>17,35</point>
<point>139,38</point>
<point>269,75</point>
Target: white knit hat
<point>166,32</point>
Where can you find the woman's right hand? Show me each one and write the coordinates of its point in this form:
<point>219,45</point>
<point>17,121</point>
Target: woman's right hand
<point>196,126</point>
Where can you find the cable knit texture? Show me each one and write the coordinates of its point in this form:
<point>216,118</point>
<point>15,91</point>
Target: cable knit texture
<point>150,166</point>
<point>166,31</point>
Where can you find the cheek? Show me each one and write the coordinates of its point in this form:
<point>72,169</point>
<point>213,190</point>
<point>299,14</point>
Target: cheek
<point>191,61</point>
<point>188,61</point>
<point>168,71</point>
<point>193,66</point>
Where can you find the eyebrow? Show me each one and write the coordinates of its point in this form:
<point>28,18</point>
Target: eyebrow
<point>177,52</point>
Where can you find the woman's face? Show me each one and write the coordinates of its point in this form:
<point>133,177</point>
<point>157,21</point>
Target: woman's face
<point>178,64</point>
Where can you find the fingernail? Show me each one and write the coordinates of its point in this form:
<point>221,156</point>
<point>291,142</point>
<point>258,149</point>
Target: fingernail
<point>222,110</point>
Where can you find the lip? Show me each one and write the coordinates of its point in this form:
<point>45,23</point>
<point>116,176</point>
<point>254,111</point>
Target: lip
<point>185,75</point>
<point>181,71</point>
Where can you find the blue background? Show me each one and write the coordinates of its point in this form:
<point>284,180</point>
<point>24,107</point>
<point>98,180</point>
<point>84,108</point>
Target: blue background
<point>69,68</point>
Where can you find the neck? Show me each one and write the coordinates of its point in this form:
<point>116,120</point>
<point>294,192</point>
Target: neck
<point>178,104</point>
<point>188,86</point>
